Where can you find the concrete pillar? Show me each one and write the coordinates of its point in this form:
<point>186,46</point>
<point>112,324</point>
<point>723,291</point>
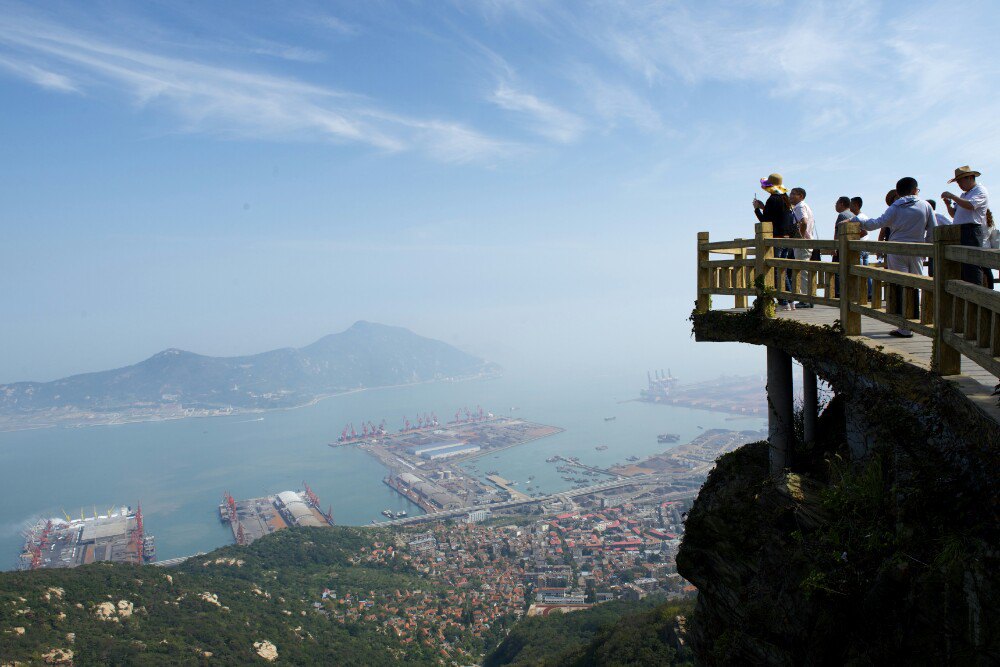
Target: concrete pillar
<point>810,405</point>
<point>781,430</point>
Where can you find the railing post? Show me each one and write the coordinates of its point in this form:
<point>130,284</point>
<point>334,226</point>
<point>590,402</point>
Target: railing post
<point>849,320</point>
<point>704,303</point>
<point>741,276</point>
<point>763,231</point>
<point>947,360</point>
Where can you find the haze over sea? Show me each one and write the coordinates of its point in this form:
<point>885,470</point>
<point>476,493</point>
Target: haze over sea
<point>179,469</point>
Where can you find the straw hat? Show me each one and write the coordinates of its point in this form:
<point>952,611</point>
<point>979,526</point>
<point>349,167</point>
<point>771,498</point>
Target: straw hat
<point>773,184</point>
<point>962,172</point>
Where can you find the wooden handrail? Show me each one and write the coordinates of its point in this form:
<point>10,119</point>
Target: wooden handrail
<point>963,318</point>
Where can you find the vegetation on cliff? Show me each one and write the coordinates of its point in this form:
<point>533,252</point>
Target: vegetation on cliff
<point>231,606</point>
<point>887,560</point>
<point>649,632</point>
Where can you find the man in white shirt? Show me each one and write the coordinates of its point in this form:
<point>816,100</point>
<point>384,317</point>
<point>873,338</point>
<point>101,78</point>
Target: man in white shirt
<point>971,206</point>
<point>911,221</point>
<point>807,228</point>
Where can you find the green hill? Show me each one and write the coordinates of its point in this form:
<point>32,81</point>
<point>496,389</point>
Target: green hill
<point>220,605</point>
<point>649,632</point>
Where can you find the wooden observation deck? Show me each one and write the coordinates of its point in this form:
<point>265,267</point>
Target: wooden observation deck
<point>956,324</point>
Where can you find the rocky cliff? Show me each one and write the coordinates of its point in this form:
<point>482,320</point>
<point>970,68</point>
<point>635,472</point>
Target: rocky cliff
<point>889,560</point>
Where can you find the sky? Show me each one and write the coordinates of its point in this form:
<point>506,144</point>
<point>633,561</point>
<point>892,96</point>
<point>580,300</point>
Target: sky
<point>524,180</point>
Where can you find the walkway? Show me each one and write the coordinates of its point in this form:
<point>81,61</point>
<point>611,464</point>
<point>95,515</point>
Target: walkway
<point>976,383</point>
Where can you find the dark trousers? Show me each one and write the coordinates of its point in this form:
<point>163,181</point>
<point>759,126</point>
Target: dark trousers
<point>972,236</point>
<point>783,253</point>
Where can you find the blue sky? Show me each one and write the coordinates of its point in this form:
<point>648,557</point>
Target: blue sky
<point>523,179</point>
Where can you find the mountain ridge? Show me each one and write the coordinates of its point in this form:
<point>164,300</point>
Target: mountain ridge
<point>365,355</point>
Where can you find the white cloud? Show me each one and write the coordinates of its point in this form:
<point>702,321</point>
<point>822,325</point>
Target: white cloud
<point>546,119</point>
<point>38,76</point>
<point>234,102</point>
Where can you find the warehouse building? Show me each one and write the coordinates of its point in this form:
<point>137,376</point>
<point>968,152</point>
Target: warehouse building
<point>297,509</point>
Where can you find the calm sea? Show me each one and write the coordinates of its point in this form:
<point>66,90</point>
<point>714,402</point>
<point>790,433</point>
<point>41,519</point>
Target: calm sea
<point>180,469</point>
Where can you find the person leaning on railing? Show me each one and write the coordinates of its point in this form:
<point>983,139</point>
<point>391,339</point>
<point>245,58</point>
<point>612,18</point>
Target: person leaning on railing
<point>778,211</point>
<point>911,220</point>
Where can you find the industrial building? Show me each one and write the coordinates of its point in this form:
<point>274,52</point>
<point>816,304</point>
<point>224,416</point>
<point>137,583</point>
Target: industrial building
<point>453,450</point>
<point>429,492</point>
<point>432,446</point>
<point>299,513</point>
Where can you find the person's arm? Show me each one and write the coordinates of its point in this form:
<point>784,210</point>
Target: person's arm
<point>871,224</point>
<point>951,201</point>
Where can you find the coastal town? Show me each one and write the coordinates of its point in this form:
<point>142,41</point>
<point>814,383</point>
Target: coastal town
<point>482,574</point>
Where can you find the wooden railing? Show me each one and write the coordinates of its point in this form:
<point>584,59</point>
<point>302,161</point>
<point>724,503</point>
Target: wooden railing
<point>963,318</point>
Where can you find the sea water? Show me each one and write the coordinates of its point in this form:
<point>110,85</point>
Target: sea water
<point>179,469</point>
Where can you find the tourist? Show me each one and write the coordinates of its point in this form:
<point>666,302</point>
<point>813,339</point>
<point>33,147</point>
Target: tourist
<point>971,206</point>
<point>843,209</point>
<point>911,221</point>
<point>969,212</point>
<point>855,208</point>
<point>940,218</point>
<point>778,211</point>
<point>807,229</point>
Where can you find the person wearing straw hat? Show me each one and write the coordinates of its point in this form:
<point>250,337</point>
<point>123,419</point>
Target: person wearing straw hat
<point>971,205</point>
<point>778,211</point>
<point>968,212</point>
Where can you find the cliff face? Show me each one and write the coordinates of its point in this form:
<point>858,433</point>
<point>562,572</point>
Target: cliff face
<point>890,560</point>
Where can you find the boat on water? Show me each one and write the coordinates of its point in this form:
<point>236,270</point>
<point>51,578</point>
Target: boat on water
<point>668,437</point>
<point>552,459</point>
<point>632,458</point>
<point>610,419</point>
<point>401,515</point>
<point>387,513</point>
<point>601,448</point>
<point>492,472</point>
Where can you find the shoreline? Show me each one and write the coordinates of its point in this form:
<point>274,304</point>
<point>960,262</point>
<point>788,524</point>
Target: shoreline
<point>243,411</point>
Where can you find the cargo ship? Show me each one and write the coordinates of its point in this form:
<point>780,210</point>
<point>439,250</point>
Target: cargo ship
<point>668,437</point>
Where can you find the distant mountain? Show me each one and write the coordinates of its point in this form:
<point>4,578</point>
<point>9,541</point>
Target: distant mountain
<point>365,355</point>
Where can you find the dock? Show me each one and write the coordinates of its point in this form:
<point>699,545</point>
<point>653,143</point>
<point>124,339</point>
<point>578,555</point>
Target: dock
<point>253,518</point>
<point>118,536</point>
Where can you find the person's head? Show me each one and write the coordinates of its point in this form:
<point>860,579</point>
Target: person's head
<point>933,204</point>
<point>856,203</point>
<point>843,203</point>
<point>906,186</point>
<point>965,177</point>
<point>796,195</point>
<point>890,197</point>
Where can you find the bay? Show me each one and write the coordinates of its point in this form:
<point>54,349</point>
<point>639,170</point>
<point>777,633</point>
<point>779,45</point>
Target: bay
<point>179,469</point>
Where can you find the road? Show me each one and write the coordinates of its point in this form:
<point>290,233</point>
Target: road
<point>563,495</point>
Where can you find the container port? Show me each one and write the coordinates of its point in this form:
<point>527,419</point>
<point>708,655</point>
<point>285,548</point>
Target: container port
<point>422,455</point>
<point>254,518</point>
<point>118,536</point>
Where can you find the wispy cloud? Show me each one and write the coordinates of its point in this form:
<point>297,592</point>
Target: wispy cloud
<point>38,76</point>
<point>335,24</point>
<point>227,101</point>
<point>545,118</point>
